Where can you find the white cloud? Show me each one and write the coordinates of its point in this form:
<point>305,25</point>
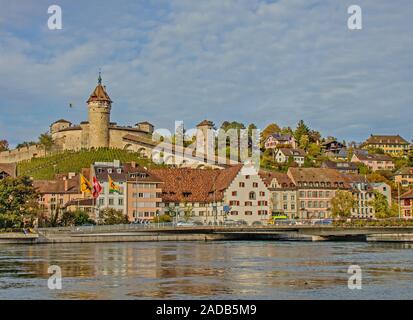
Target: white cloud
<point>251,61</point>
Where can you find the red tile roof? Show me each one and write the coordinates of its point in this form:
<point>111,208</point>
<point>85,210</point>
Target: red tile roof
<point>99,94</point>
<point>195,185</point>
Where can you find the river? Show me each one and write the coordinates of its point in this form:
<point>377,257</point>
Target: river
<point>208,270</point>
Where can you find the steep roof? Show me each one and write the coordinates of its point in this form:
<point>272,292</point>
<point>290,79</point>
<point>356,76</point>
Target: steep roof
<point>385,139</point>
<point>99,94</point>
<point>319,175</point>
<point>195,185</point>
<point>205,123</point>
<point>9,168</point>
<point>282,178</point>
<point>281,137</point>
<point>292,152</point>
<point>373,157</point>
<point>58,185</point>
<point>61,121</point>
<point>339,165</point>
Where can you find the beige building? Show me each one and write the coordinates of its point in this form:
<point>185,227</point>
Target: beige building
<point>404,177</point>
<point>54,194</point>
<point>144,192</point>
<point>374,161</point>
<point>99,132</point>
<point>283,193</point>
<point>394,145</point>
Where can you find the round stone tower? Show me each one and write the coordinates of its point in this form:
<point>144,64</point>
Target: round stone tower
<point>99,105</point>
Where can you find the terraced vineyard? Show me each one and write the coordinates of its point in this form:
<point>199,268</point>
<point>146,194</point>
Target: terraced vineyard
<point>69,161</point>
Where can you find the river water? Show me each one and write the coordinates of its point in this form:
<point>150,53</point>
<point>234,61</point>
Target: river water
<point>208,270</point>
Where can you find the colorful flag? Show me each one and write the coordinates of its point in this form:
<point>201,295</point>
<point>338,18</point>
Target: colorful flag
<point>85,186</point>
<point>97,188</point>
<point>113,187</point>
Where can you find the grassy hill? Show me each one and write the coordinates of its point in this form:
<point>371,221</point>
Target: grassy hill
<point>70,161</point>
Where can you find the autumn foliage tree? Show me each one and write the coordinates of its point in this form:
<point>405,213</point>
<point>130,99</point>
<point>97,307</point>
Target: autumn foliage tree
<point>342,204</point>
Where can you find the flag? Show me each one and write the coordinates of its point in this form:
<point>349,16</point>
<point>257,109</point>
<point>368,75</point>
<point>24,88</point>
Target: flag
<point>85,186</point>
<point>113,187</point>
<point>97,188</point>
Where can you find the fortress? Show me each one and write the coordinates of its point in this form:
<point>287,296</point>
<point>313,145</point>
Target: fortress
<point>96,132</point>
<point>99,132</point>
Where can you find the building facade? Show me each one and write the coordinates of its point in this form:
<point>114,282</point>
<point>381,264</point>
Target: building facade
<point>391,144</point>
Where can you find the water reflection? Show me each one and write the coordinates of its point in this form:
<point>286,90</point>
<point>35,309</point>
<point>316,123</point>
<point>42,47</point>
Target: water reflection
<point>239,270</point>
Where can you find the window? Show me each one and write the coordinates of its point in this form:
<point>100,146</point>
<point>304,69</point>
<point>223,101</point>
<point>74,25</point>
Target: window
<point>234,193</point>
<point>234,203</point>
<point>262,203</point>
<point>111,201</point>
<point>234,213</point>
<point>101,202</point>
<point>247,177</point>
<point>262,212</point>
<point>248,203</point>
<point>252,195</point>
<point>255,184</point>
<point>242,184</point>
<point>248,213</point>
<point>262,194</point>
<point>120,201</point>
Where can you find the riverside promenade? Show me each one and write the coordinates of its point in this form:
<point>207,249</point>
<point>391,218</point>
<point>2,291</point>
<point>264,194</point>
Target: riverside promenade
<point>167,232</point>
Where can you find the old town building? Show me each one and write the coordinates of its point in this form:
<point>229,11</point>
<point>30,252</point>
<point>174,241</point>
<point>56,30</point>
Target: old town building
<point>393,145</point>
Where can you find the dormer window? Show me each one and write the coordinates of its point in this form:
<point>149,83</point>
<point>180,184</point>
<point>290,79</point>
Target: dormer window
<point>119,170</point>
<point>109,170</point>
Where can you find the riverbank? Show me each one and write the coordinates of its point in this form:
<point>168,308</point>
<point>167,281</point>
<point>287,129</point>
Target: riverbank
<point>128,233</point>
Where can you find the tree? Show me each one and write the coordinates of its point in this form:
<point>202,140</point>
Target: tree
<point>342,204</point>
<point>162,218</point>
<point>304,142</point>
<point>18,202</point>
<point>381,206</point>
<point>111,216</point>
<point>75,218</point>
<point>187,211</point>
<point>46,140</point>
<point>269,130</point>
<point>4,145</point>
<point>301,130</point>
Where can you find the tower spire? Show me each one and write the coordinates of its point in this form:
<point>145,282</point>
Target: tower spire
<point>100,77</point>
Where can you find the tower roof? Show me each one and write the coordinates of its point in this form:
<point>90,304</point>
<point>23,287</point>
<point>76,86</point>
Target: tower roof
<point>205,123</point>
<point>99,94</point>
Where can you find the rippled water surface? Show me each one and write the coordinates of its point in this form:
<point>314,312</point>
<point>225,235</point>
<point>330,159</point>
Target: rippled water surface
<point>211,270</point>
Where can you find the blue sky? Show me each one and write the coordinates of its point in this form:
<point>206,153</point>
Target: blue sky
<point>244,60</point>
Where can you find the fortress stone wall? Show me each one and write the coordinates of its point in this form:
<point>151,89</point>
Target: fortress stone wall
<point>21,154</point>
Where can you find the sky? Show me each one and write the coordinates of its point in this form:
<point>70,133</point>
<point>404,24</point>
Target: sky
<point>251,61</point>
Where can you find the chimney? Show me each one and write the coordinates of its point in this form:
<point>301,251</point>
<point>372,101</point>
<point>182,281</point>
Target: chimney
<point>66,184</point>
<point>133,164</point>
